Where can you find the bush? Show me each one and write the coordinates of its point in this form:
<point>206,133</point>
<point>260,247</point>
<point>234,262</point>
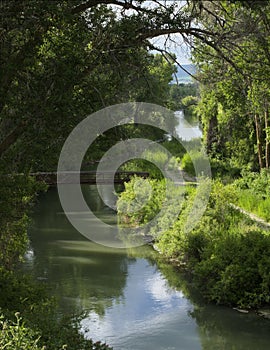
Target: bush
<point>233,270</point>
<point>155,162</point>
<point>39,323</point>
<point>140,201</point>
<point>226,253</point>
<point>254,193</point>
<point>17,193</point>
<point>187,164</point>
<point>195,161</point>
<point>259,183</point>
<point>15,336</point>
<point>174,147</point>
<point>223,169</point>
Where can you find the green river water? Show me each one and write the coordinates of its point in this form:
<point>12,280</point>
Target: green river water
<point>131,299</point>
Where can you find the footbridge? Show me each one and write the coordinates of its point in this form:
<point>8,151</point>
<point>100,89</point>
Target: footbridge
<point>87,177</point>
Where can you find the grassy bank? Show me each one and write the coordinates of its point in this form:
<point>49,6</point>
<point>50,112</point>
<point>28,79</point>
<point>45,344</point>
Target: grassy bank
<point>226,254</point>
<point>253,193</point>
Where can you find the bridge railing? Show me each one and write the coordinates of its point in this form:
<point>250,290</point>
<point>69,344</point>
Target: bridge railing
<point>87,177</point>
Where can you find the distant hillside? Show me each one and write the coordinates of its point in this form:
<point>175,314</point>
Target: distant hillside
<point>182,76</point>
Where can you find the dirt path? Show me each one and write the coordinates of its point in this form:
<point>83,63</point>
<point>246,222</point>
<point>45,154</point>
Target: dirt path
<point>252,216</point>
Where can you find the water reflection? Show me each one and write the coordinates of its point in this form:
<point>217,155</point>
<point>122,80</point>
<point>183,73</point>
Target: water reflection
<point>187,130</point>
<point>151,315</point>
<point>79,271</point>
<point>220,327</point>
<point>131,300</point>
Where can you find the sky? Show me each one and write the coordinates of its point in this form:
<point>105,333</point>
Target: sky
<point>177,47</point>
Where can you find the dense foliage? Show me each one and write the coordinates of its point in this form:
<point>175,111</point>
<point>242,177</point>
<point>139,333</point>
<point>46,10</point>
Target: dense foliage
<point>234,89</point>
<point>31,320</point>
<point>181,96</point>
<point>226,253</point>
<point>59,65</point>
<point>63,60</point>
<point>253,193</point>
<point>17,194</point>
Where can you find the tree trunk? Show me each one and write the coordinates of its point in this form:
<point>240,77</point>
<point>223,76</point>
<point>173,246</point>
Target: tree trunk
<point>211,137</point>
<point>258,137</point>
<point>267,141</point>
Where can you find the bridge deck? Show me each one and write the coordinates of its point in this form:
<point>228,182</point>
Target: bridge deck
<point>87,177</point>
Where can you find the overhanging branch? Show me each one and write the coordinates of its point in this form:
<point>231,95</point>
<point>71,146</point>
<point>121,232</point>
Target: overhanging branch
<point>126,5</point>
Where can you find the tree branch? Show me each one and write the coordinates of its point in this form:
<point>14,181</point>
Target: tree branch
<point>126,5</point>
<point>11,138</point>
<point>167,53</point>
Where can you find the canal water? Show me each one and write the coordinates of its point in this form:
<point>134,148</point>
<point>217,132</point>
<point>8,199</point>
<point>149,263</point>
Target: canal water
<point>187,130</point>
<point>130,298</point>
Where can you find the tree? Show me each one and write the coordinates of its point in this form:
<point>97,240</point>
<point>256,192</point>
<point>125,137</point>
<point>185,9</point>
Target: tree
<point>178,92</point>
<point>61,61</point>
<point>239,85</point>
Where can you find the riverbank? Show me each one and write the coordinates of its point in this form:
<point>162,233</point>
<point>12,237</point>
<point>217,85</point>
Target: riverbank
<point>30,317</point>
<point>182,267</point>
<point>227,254</point>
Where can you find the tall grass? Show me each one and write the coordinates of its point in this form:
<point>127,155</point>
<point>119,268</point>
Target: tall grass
<point>255,203</point>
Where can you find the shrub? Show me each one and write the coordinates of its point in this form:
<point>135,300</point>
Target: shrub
<point>16,336</point>
<point>140,201</point>
<point>38,323</point>
<point>174,147</point>
<point>16,194</point>
<point>227,254</point>
<point>155,162</point>
<point>223,169</point>
<point>259,183</point>
<point>254,193</point>
<point>233,269</point>
<point>194,162</point>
